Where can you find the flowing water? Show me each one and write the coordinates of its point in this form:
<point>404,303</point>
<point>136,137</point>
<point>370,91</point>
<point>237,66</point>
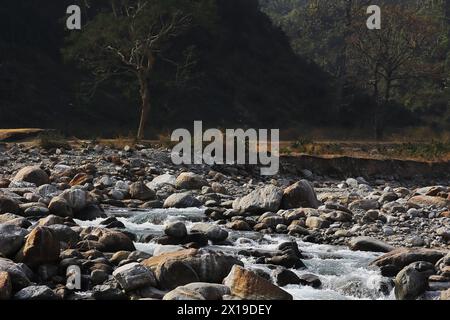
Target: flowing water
<point>344,274</point>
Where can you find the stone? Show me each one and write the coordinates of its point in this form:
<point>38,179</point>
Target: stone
<point>140,191</point>
<point>218,188</point>
<point>32,174</point>
<point>174,273</point>
<point>81,179</point>
<point>5,286</point>
<point>198,291</point>
<point>11,239</point>
<point>76,198</point>
<point>176,230</point>
<point>133,276</point>
<point>108,291</point>
<point>213,232</point>
<point>51,220</point>
<point>247,285</point>
<point>391,263</point>
<point>90,212</point>
<point>445,295</point>
<point>364,204</point>
<point>190,181</point>
<point>284,277</point>
<point>316,223</point>
<point>113,241</point>
<point>210,267</point>
<point>299,195</point>
<point>65,234</point>
<point>310,280</point>
<point>427,201</point>
<point>261,200</point>
<point>36,293</point>
<point>182,200</point>
<point>162,180</point>
<point>412,281</point>
<point>58,206</point>
<point>41,247</point>
<point>239,225</point>
<point>369,244</point>
<point>9,205</point>
<point>19,278</point>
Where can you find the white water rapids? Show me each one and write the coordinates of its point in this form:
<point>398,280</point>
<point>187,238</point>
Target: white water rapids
<point>344,274</point>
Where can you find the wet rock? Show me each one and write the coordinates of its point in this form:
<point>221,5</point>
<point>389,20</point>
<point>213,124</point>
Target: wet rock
<point>32,174</point>
<point>90,212</point>
<point>11,239</point>
<point>182,200</point>
<point>36,293</point>
<point>184,294</point>
<point>310,280</point>
<point>261,200</point>
<point>412,281</point>
<point>176,230</point>
<point>140,191</point>
<point>174,273</point>
<point>213,232</point>
<point>247,285</point>
<point>369,244</point>
<point>239,225</point>
<point>299,195</point>
<point>5,286</point>
<point>99,276</point>
<point>394,261</point>
<point>133,276</point>
<point>190,181</point>
<point>41,247</point>
<point>113,241</point>
<point>284,277</point>
<point>51,220</point>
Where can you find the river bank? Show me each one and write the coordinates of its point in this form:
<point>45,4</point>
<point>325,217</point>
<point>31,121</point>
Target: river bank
<point>139,227</point>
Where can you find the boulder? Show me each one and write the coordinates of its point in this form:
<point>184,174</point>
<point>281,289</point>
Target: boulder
<point>32,174</point>
<point>247,285</point>
<point>113,241</point>
<point>5,286</point>
<point>369,244</point>
<point>284,277</point>
<point>316,223</point>
<point>65,234</point>
<point>210,267</point>
<point>261,200</point>
<point>41,247</point>
<point>176,230</point>
<point>426,201</point>
<point>9,205</point>
<point>364,205</point>
<point>11,239</point>
<point>19,279</point>
<point>90,212</point>
<point>190,181</point>
<point>58,206</point>
<point>412,281</point>
<point>76,198</point>
<point>174,273</point>
<point>140,191</point>
<point>310,280</point>
<point>391,263</point>
<point>36,293</point>
<point>133,276</point>
<point>198,291</point>
<point>182,200</point>
<point>213,232</point>
<point>162,180</point>
<point>299,195</point>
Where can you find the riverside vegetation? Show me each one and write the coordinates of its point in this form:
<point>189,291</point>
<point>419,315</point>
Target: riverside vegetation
<point>139,227</point>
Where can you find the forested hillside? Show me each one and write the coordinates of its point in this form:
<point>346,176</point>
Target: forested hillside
<point>235,63</point>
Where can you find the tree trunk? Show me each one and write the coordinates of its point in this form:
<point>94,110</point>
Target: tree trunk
<point>145,108</point>
<point>387,96</point>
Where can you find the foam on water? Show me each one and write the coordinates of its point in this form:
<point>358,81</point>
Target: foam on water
<point>344,274</point>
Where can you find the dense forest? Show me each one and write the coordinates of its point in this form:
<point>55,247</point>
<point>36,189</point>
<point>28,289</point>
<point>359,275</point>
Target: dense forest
<point>286,64</point>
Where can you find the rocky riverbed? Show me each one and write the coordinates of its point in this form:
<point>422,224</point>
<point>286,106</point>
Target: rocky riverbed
<point>139,227</point>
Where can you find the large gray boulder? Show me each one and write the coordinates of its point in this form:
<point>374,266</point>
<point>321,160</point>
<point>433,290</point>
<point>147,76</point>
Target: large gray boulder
<point>11,239</point>
<point>133,276</point>
<point>412,281</point>
<point>32,174</point>
<point>261,200</point>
